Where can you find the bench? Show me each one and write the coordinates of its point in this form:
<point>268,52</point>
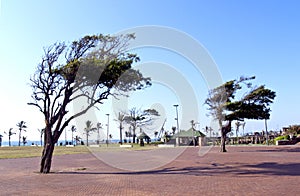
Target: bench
<point>166,145</point>
<point>94,145</point>
<point>126,146</point>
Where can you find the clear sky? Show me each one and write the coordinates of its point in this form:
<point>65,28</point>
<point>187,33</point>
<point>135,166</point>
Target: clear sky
<point>248,38</point>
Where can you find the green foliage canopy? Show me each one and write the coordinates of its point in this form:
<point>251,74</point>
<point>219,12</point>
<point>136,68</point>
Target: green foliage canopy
<point>224,105</point>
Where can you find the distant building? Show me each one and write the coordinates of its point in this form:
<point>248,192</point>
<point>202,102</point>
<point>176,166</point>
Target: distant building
<point>189,138</point>
<point>144,137</point>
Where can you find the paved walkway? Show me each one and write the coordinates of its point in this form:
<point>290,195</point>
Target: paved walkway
<point>241,171</point>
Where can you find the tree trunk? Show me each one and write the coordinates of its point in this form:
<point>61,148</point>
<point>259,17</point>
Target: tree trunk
<point>20,138</point>
<point>47,157</point>
<point>224,130</point>
<point>223,141</point>
<point>133,137</point>
<point>121,134</point>
<point>87,139</point>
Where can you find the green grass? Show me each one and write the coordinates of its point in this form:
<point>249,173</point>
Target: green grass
<point>36,151</point>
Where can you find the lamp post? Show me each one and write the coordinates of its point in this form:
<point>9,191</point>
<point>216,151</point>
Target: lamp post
<point>266,125</point>
<point>99,126</point>
<point>107,129</point>
<point>177,139</point>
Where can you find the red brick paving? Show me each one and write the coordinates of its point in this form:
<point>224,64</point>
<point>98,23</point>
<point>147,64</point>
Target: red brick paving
<point>241,171</point>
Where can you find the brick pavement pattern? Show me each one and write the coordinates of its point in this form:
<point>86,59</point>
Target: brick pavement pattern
<point>252,170</point>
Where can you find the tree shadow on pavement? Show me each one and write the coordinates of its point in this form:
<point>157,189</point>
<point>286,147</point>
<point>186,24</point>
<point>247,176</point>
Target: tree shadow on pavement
<point>279,149</point>
<point>215,169</point>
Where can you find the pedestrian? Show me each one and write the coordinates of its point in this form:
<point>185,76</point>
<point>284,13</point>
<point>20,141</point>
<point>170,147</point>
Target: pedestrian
<point>1,140</point>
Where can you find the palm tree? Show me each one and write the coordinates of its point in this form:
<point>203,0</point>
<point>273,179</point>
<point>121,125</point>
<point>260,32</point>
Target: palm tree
<point>21,125</point>
<point>237,125</point>
<point>121,118</point>
<point>10,133</point>
<point>41,132</point>
<point>88,129</point>
<point>73,129</point>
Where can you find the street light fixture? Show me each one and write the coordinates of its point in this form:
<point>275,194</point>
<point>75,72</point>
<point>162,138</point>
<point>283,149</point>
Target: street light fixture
<point>107,129</point>
<point>177,139</point>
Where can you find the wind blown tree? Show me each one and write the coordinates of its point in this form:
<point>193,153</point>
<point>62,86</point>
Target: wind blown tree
<point>88,129</point>
<point>140,118</point>
<point>21,125</point>
<point>92,69</point>
<point>224,106</point>
<point>10,133</point>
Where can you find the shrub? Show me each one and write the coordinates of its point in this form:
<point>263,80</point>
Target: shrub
<point>283,137</point>
<point>271,142</point>
<point>157,142</point>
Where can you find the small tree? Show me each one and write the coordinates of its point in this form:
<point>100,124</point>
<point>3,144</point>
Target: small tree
<point>77,139</point>
<point>10,133</point>
<point>139,118</point>
<point>293,130</point>
<point>24,140</point>
<point>88,129</point>
<point>21,125</point>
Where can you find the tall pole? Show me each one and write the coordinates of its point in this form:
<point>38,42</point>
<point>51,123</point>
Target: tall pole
<point>177,139</point>
<point>193,139</point>
<point>99,126</point>
<point>267,141</point>
<point>107,129</point>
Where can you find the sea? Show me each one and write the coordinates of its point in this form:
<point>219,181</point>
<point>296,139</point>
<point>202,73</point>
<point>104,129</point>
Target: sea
<point>38,143</point>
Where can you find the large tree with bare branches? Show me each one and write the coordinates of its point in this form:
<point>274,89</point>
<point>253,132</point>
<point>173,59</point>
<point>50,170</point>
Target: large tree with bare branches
<point>91,69</point>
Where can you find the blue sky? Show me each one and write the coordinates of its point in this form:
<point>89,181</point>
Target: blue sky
<point>258,38</point>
